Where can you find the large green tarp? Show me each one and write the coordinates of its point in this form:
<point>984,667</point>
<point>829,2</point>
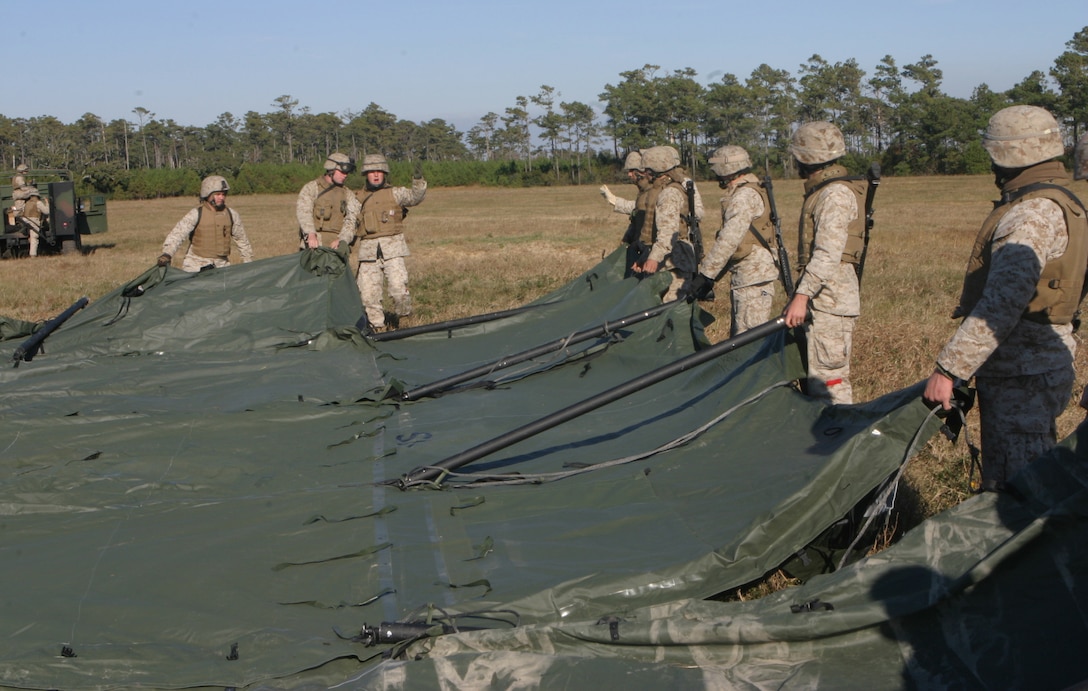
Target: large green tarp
<point>200,478</point>
<point>988,595</point>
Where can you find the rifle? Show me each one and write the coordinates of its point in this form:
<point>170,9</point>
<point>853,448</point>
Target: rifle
<point>783,255</point>
<point>695,235</point>
<point>873,176</point>
<point>30,347</point>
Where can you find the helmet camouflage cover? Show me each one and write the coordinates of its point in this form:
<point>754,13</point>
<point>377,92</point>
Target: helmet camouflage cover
<point>213,184</point>
<point>817,142</point>
<point>660,159</point>
<point>728,160</point>
<point>1021,136</point>
<point>633,161</point>
<point>342,162</point>
<point>373,162</point>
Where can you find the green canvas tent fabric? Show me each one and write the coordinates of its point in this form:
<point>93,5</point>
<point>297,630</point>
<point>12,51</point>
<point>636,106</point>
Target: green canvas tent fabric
<point>988,595</point>
<point>200,476</point>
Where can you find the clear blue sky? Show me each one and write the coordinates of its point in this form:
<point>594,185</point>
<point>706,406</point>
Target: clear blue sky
<point>459,59</point>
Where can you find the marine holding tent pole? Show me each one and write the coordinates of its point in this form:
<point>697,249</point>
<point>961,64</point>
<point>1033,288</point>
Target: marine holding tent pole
<point>510,360</point>
<point>429,473</point>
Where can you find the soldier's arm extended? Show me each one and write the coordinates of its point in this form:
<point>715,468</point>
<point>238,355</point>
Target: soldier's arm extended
<point>413,196</point>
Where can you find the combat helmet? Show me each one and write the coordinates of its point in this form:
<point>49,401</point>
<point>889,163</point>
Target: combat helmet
<point>1080,158</point>
<point>342,162</point>
<point>1021,136</point>
<point>375,162</point>
<point>728,160</point>
<point>660,159</point>
<point>212,184</point>
<point>817,142</point>
<point>22,169</point>
<point>633,161</point>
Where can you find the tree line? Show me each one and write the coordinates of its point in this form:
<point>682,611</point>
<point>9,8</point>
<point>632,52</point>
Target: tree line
<point>898,115</point>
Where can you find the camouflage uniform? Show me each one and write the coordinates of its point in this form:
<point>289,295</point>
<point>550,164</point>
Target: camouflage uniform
<point>829,244</point>
<point>33,211</point>
<point>381,252</point>
<point>665,219</point>
<point>19,179</point>
<point>1023,368</point>
<point>753,275</point>
<point>207,216</point>
<point>835,298</point>
<point>1021,297</point>
<point>670,229</point>
<point>344,210</point>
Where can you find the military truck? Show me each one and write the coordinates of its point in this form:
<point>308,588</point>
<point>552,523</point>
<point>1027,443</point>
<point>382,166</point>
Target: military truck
<point>69,216</point>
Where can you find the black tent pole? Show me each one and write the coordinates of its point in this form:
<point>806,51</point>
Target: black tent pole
<point>452,323</point>
<point>430,472</point>
<point>29,348</point>
<point>510,360</point>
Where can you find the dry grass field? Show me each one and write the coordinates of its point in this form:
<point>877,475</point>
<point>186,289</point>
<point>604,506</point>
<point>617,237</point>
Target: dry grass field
<point>479,250</point>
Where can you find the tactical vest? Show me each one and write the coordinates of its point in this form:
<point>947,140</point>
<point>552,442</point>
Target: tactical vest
<point>330,206</point>
<point>855,238</point>
<point>382,215</point>
<point>211,235</point>
<point>31,210</point>
<point>638,228</point>
<point>1061,285</point>
<point>761,231</point>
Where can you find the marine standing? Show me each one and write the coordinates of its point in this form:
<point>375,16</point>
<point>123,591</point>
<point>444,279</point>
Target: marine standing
<point>326,210</point>
<point>830,243</point>
<point>743,245</point>
<point>637,235</point>
<point>210,228</point>
<point>666,214</point>
<point>382,246</point>
<point>1020,298</point>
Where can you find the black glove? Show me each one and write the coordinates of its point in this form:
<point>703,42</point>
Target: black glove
<point>163,260</point>
<point>701,287</point>
<point>417,174</point>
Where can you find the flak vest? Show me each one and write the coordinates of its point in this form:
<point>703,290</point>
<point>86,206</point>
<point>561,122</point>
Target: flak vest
<point>761,231</point>
<point>382,216</point>
<point>211,235</point>
<point>330,206</point>
<point>855,239</point>
<point>1061,284</point>
<point>31,210</point>
<point>637,230</point>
